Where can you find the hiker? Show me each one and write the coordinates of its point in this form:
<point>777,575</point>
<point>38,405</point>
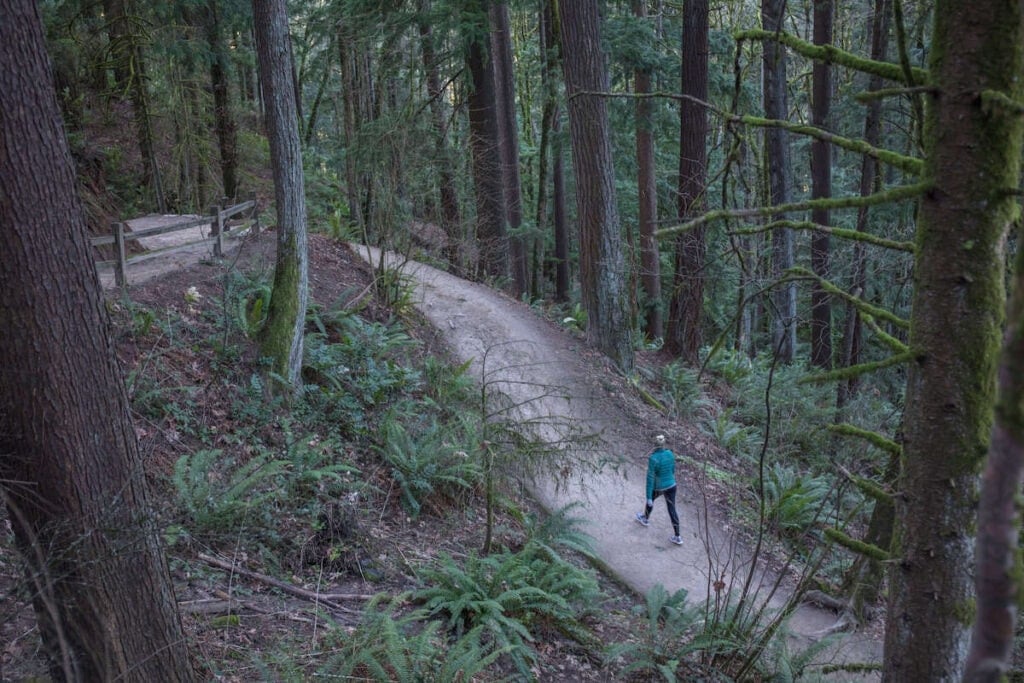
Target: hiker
<point>661,481</point>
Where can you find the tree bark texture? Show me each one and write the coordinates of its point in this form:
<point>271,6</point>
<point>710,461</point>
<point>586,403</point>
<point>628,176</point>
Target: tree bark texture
<point>821,188</point>
<point>72,478</point>
<point>686,310</point>
<point>508,136</point>
<point>972,159</point>
<point>647,199</point>
<point>282,336</point>
<point>997,580</point>
<point>777,152</point>
<point>491,235</point>
<point>602,263</point>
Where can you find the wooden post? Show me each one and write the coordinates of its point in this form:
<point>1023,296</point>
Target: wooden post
<point>217,231</point>
<point>121,266</point>
<point>255,215</point>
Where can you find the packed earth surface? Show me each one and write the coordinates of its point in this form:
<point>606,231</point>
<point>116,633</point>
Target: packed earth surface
<point>561,390</point>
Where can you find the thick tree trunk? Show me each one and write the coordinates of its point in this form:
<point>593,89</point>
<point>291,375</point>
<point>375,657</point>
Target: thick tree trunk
<point>686,310</point>
<point>508,136</point>
<point>602,265</point>
<point>647,198</point>
<point>821,188</point>
<point>777,152</point>
<point>72,478</point>
<point>491,236</point>
<point>282,337</point>
<point>973,134</point>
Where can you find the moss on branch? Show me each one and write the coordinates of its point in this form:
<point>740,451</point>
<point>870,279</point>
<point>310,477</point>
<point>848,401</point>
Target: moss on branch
<point>863,306</point>
<point>858,370</point>
<point>874,438</point>
<point>859,547</point>
<point>895,194</point>
<point>831,230</point>
<point>830,54</point>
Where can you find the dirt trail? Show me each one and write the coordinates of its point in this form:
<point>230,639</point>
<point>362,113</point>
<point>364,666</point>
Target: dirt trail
<point>558,380</point>
<point>528,352</point>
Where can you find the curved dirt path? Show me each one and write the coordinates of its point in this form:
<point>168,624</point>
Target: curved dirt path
<point>538,365</point>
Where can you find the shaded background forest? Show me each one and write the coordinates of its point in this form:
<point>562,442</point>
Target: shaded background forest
<point>756,205</point>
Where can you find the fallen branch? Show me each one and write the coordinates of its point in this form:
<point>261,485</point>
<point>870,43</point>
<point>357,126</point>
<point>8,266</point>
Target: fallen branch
<point>313,596</point>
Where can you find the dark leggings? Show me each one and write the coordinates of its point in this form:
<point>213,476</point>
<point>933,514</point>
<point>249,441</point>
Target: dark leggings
<point>670,503</point>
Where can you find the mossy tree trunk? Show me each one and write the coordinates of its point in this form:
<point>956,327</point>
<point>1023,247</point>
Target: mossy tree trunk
<point>72,479</point>
<point>972,142</point>
<point>282,337</point>
<point>602,262</point>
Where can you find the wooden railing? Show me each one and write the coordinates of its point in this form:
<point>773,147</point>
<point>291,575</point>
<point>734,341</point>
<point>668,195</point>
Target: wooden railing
<point>217,220</point>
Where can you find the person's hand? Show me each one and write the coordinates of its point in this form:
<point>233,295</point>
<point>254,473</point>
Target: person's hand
<point>650,503</point>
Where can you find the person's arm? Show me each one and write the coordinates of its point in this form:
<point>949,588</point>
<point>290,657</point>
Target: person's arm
<point>650,477</point>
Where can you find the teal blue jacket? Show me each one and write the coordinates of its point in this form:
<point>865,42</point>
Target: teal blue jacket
<point>661,471</point>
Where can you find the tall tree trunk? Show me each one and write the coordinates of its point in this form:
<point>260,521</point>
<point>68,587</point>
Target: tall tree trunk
<point>647,198</point>
<point>70,471</point>
<point>870,181</point>
<point>224,120</point>
<point>777,157</point>
<point>686,308</point>
<point>559,224</point>
<point>508,137</point>
<point>821,188</point>
<point>491,236</point>
<point>973,140</point>
<point>282,337</point>
<point>450,220</point>
<point>602,264</point>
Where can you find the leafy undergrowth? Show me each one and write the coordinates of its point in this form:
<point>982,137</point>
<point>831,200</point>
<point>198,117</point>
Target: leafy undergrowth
<point>340,536</point>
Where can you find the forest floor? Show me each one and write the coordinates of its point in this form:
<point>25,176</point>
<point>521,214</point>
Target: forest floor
<point>568,391</point>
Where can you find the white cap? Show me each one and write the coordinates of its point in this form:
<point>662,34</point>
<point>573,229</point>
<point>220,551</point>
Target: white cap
<point>660,439</point>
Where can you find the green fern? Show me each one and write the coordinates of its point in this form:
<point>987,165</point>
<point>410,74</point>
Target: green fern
<point>219,494</point>
<point>404,648</point>
<point>512,597</point>
<point>793,501</point>
<point>669,636</point>
<point>426,466</point>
